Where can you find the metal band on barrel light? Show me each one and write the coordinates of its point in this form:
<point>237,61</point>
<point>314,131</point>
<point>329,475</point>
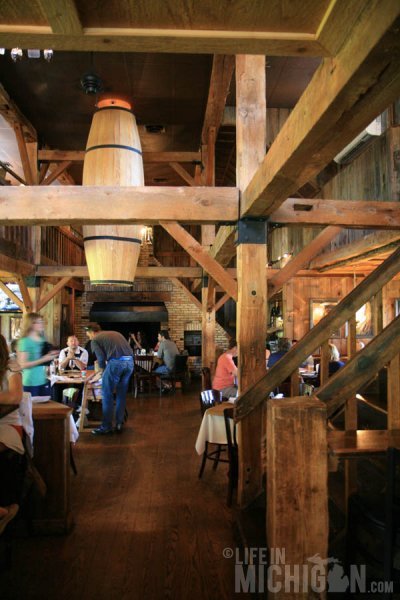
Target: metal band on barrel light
<point>119,146</point>
<point>110,282</point>
<point>115,108</point>
<point>112,237</point>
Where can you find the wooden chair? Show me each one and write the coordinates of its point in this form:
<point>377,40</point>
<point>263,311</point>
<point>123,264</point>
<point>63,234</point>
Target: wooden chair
<point>206,373</point>
<point>374,526</point>
<point>179,372</point>
<point>233,453</point>
<point>143,373</point>
<point>208,399</point>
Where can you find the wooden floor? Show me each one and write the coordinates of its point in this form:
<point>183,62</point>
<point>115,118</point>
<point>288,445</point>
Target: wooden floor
<point>145,526</point>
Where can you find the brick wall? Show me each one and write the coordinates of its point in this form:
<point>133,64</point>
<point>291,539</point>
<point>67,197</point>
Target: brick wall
<point>182,314</point>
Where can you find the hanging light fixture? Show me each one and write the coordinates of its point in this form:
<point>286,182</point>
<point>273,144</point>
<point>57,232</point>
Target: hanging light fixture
<point>16,54</point>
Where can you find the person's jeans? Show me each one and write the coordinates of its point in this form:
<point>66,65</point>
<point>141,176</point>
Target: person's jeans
<point>38,390</point>
<point>116,377</point>
<point>162,370</point>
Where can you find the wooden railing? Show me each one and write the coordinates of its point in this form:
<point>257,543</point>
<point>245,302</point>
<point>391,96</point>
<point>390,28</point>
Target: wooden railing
<point>62,246</point>
<point>296,440</point>
<point>15,241</point>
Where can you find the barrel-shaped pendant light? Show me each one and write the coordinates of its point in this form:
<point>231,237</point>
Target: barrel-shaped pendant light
<point>113,157</point>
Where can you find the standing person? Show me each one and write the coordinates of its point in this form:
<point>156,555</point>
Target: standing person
<point>167,350</point>
<point>226,371</point>
<point>73,357</point>
<point>30,355</point>
<point>115,359</point>
<point>94,327</point>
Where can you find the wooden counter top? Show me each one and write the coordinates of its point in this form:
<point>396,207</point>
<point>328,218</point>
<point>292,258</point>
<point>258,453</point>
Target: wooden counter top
<point>50,410</point>
<point>348,444</point>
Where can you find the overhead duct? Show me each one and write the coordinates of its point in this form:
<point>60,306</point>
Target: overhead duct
<point>356,146</point>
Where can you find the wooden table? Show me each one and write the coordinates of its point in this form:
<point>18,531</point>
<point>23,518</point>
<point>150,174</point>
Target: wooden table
<point>52,514</point>
<point>352,444</point>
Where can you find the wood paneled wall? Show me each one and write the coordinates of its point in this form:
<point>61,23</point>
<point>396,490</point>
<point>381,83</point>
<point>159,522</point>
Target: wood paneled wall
<point>298,293</point>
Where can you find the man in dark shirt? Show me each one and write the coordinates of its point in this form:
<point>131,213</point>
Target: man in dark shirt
<point>115,359</point>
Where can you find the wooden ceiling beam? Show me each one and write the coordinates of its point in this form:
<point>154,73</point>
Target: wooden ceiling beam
<point>26,297</point>
<point>23,152</point>
<point>74,205</point>
<point>355,250</point>
<point>46,155</point>
<point>59,170</point>
<point>11,113</point>
<point>182,173</point>
<point>145,272</point>
<point>202,257</point>
<point>50,295</point>
<point>301,259</point>
<point>343,97</point>
<point>12,296</point>
<point>182,41</point>
<point>62,16</point>
<point>220,81</point>
<point>361,214</point>
<point>337,23</point>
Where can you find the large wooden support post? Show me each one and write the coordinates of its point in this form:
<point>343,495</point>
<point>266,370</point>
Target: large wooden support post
<point>207,329</point>
<point>351,416</point>
<point>36,230</point>
<point>377,326</point>
<point>251,333</point>
<point>32,288</point>
<point>297,492</point>
<point>251,311</point>
<point>393,405</point>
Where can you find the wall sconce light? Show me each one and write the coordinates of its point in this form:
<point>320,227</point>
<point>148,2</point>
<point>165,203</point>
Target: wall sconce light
<point>147,235</point>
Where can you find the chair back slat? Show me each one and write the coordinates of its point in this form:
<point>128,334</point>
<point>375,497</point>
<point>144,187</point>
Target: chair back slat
<point>209,398</point>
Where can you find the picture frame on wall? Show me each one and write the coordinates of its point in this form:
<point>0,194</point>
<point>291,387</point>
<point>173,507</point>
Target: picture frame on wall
<point>364,324</point>
<point>15,327</point>
<point>319,308</point>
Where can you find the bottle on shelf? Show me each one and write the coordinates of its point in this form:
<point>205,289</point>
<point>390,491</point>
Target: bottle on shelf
<point>275,312</point>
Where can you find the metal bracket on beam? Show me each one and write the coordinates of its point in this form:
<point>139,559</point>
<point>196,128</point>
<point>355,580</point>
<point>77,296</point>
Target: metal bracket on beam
<point>32,281</point>
<point>252,231</point>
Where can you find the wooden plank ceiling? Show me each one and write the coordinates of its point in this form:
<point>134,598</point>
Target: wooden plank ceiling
<point>158,54</point>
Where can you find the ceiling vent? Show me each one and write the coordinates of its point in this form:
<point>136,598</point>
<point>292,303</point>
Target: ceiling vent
<point>352,150</point>
<point>157,129</point>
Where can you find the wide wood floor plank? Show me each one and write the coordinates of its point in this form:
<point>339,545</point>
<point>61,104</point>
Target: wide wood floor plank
<point>145,525</point>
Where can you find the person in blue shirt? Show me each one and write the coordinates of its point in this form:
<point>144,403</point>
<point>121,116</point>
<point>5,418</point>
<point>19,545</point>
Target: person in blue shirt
<point>284,345</point>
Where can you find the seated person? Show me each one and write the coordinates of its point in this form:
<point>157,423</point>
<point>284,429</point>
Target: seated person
<point>334,363</point>
<point>284,345</point>
<point>167,350</point>
<point>11,432</point>
<point>138,342</point>
<point>334,360</point>
<point>226,371</point>
<point>73,357</point>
